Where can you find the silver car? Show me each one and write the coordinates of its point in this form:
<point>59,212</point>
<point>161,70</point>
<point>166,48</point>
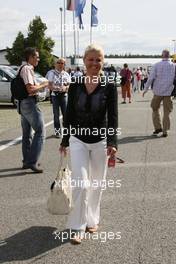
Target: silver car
<point>6,76</point>
<point>7,73</point>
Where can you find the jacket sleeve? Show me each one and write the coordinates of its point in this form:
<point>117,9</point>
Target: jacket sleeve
<point>112,116</point>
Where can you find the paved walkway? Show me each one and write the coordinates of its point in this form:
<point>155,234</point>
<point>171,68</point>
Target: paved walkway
<point>137,220</point>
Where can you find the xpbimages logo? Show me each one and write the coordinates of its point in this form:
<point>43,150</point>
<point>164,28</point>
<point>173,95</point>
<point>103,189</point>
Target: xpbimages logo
<point>101,29</point>
<point>82,131</point>
<point>103,79</point>
<point>97,236</point>
<point>86,183</point>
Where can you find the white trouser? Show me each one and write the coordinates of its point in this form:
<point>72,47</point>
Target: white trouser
<point>89,165</point>
<point>138,85</point>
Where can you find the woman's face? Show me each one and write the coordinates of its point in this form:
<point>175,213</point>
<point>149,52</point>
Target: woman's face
<point>94,62</point>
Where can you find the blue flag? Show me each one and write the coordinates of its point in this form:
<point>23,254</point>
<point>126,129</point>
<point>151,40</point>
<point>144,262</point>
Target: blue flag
<point>80,22</point>
<point>79,7</point>
<point>94,19</point>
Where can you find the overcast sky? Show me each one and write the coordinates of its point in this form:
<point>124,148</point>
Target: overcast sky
<point>136,26</point>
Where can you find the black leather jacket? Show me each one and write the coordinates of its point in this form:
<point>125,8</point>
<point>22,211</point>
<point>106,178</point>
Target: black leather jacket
<point>96,111</point>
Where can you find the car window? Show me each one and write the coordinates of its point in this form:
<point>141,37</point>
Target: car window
<point>9,71</point>
<point>3,74</point>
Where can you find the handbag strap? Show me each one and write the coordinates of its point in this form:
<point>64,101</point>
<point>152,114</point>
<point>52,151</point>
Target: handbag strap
<point>63,161</point>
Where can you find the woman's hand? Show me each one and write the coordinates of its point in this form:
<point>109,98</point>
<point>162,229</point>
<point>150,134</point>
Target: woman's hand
<point>111,151</point>
<point>63,150</point>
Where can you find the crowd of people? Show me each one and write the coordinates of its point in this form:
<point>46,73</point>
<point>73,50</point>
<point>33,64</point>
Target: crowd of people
<point>132,81</point>
<point>161,80</point>
<point>88,106</point>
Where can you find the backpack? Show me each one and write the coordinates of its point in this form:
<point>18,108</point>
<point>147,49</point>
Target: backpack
<point>18,87</point>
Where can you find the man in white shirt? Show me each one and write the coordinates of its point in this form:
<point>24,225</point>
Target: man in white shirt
<point>78,72</point>
<point>161,79</point>
<point>59,81</point>
<point>31,115</point>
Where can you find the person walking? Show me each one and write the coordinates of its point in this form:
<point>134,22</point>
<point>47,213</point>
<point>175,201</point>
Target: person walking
<point>59,81</point>
<point>144,78</point>
<point>91,109</point>
<point>161,78</point>
<point>31,115</point>
<point>138,78</point>
<point>126,75</point>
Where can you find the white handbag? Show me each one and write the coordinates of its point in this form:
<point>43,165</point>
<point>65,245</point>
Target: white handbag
<point>60,199</point>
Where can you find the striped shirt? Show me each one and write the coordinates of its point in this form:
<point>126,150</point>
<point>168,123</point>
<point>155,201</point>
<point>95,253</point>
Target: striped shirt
<point>27,73</point>
<point>162,78</point>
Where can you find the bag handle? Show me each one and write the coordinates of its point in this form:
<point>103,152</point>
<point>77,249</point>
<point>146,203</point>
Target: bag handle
<point>63,161</point>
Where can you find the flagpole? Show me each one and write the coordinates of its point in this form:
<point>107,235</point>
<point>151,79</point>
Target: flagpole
<point>78,46</point>
<point>64,29</point>
<point>91,23</point>
<point>61,32</point>
<point>74,36</point>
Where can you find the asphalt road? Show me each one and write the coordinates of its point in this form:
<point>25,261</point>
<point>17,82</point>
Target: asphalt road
<point>138,223</point>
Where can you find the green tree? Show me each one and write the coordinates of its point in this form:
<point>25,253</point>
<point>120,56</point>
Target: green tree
<point>15,55</point>
<point>35,38</point>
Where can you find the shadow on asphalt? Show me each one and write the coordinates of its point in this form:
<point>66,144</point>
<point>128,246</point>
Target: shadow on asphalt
<point>3,142</point>
<point>52,136</point>
<point>31,243</point>
<point>7,106</point>
<point>11,169</point>
<point>21,173</point>
<point>142,101</point>
<point>136,139</point>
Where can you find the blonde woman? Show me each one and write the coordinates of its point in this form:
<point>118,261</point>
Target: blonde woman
<point>91,125</point>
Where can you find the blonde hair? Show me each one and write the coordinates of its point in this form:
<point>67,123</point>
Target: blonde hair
<point>60,59</point>
<point>93,47</point>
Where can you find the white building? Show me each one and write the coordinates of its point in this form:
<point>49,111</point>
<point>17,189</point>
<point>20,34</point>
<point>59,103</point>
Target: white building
<point>3,59</point>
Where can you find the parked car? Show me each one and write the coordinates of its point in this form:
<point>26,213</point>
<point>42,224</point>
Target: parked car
<point>39,79</point>
<point>6,76</point>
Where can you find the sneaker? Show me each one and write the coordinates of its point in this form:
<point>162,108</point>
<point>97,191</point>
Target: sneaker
<point>157,131</point>
<point>35,168</point>
<point>164,134</point>
<point>124,102</point>
<point>24,167</point>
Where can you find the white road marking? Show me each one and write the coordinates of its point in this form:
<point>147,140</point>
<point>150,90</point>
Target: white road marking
<point>17,140</point>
